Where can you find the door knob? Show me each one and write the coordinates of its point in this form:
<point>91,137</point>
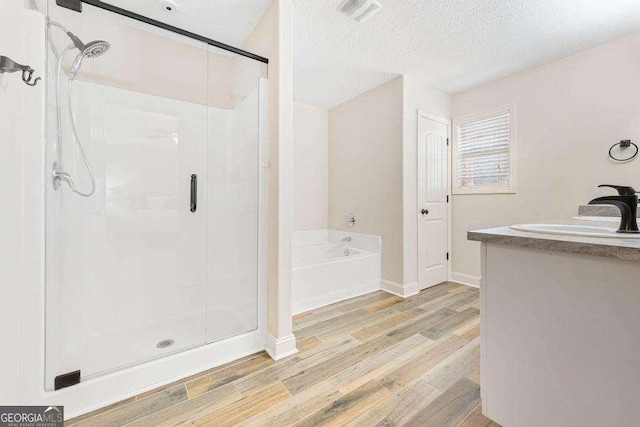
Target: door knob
<point>424,211</point>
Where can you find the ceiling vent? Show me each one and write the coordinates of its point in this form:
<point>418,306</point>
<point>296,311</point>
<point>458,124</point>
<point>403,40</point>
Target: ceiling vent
<point>360,10</point>
<point>169,6</point>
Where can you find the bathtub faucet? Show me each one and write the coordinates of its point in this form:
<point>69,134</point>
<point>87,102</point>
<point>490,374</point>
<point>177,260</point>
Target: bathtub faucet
<point>346,240</point>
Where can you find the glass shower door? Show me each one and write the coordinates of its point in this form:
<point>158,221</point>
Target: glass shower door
<point>233,193</point>
<point>126,267</point>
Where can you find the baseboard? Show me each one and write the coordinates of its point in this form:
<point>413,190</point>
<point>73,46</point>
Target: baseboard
<point>465,279</point>
<point>403,291</point>
<point>279,348</point>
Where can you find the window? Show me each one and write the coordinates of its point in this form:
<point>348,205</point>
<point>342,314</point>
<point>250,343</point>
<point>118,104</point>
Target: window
<point>484,153</point>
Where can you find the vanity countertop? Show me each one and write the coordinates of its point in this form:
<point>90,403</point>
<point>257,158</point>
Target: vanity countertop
<point>624,249</point>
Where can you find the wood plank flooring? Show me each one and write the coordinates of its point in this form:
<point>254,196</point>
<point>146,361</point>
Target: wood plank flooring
<point>373,360</point>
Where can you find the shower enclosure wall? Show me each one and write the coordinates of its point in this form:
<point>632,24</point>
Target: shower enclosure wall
<point>167,254</point>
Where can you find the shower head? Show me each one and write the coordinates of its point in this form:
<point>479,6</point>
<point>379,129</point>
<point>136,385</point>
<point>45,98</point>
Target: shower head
<point>95,48</point>
<point>92,49</point>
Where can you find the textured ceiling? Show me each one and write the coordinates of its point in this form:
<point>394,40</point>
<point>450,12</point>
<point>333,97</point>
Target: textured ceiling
<point>456,43</point>
<point>227,21</point>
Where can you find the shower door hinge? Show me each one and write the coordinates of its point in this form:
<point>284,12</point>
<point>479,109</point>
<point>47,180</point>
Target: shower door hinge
<point>447,198</point>
<point>447,256</point>
<point>75,5</point>
<point>447,141</point>
<point>67,380</point>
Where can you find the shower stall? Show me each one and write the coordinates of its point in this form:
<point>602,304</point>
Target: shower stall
<point>155,194</point>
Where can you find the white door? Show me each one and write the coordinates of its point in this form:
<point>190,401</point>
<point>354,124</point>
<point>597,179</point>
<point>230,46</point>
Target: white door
<point>433,191</point>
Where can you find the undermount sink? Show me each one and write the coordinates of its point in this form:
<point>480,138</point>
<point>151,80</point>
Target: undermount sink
<point>574,230</point>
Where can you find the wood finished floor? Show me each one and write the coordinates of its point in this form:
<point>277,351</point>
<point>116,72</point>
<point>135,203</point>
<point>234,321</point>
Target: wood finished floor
<point>372,360</point>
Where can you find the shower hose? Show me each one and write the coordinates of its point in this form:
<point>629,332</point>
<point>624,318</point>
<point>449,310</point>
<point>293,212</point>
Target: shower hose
<point>74,132</point>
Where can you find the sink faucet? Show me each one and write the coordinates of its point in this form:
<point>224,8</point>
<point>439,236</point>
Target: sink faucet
<point>627,202</point>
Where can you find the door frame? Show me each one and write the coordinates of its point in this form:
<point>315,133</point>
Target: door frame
<point>446,122</point>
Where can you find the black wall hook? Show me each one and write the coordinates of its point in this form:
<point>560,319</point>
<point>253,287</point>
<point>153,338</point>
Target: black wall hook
<point>8,65</point>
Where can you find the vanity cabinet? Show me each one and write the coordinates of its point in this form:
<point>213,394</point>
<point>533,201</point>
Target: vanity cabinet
<point>560,331</point>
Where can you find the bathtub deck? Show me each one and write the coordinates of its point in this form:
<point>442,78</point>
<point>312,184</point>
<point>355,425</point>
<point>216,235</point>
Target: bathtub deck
<point>368,360</point>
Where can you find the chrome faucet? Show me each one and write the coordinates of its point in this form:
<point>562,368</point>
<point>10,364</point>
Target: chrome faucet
<point>346,240</point>
<point>627,202</point>
<point>351,220</point>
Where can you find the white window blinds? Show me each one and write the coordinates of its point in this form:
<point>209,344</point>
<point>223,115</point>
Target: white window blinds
<point>484,152</point>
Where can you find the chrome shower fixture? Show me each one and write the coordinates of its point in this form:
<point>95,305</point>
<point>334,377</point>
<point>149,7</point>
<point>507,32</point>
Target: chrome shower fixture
<point>92,49</point>
<point>351,220</point>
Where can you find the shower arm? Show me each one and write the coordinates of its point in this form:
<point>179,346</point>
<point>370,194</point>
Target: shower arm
<point>76,41</point>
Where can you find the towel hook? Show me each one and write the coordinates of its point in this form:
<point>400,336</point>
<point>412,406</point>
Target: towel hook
<point>8,65</point>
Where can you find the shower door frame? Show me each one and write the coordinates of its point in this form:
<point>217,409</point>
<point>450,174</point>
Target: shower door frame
<point>123,12</point>
<point>101,391</point>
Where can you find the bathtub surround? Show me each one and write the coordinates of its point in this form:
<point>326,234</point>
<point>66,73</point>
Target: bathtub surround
<point>330,266</point>
<point>310,167</point>
<point>569,112</point>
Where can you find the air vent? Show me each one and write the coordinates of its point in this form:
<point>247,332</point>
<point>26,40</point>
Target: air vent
<point>360,10</point>
<point>169,6</point>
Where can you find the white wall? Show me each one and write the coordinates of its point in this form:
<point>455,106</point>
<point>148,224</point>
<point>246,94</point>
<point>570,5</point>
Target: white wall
<point>310,156</point>
<point>271,38</point>
<point>569,113</point>
<point>12,91</point>
<point>365,169</point>
<point>417,95</point>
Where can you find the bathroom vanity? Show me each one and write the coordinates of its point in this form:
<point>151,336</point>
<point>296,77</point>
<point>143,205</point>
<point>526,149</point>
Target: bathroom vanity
<point>560,327</point>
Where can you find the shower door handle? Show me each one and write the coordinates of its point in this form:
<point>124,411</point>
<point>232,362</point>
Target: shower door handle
<point>194,192</point>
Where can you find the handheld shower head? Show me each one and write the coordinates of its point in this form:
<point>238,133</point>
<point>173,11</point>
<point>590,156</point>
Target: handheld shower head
<point>95,48</point>
<point>90,50</point>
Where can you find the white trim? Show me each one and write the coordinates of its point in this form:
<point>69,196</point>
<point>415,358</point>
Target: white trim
<point>434,117</point>
<point>403,291</point>
<point>465,279</point>
<point>263,202</point>
<point>513,152</point>
<point>281,284</point>
<point>449,124</point>
<point>279,348</point>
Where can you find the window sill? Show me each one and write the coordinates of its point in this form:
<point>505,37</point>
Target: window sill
<point>480,190</point>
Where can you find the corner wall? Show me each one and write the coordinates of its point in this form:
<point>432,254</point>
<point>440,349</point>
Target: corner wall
<point>272,38</point>
<point>365,170</point>
<point>569,113</point>
<point>310,167</point>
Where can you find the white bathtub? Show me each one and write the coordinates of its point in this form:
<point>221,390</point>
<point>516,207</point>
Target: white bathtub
<point>326,270</point>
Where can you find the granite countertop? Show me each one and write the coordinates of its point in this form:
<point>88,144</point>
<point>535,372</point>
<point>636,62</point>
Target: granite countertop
<point>624,249</point>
